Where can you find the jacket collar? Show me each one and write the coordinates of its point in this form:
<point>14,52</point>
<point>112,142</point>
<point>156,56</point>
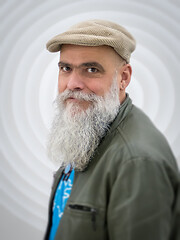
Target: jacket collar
<point>124,109</point>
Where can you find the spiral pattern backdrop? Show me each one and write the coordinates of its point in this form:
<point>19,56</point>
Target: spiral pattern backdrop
<point>28,86</point>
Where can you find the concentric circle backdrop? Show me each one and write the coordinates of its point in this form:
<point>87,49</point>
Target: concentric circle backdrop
<point>28,82</point>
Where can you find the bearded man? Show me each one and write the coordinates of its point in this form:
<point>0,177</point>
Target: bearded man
<point>117,176</point>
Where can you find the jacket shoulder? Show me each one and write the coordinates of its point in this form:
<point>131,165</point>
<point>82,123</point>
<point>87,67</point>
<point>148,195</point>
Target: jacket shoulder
<point>136,136</point>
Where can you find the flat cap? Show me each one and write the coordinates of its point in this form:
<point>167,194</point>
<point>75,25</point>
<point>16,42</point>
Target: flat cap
<point>96,33</point>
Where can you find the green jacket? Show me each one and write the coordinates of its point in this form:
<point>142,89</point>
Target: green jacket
<point>129,191</point>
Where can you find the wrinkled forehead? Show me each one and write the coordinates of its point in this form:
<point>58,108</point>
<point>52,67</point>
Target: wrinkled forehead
<point>87,53</point>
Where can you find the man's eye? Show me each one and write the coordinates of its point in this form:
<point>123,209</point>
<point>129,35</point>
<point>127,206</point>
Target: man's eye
<point>65,69</point>
<point>92,70</point>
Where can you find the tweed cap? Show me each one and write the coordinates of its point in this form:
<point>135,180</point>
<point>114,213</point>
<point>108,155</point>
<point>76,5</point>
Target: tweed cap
<point>96,33</point>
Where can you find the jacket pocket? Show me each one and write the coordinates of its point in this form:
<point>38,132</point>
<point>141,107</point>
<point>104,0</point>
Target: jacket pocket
<point>92,211</point>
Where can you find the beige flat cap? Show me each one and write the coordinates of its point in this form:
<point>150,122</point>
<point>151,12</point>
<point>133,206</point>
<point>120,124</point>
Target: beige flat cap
<point>96,33</point>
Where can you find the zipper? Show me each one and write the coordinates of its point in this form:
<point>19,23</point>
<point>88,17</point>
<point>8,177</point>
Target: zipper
<point>93,212</point>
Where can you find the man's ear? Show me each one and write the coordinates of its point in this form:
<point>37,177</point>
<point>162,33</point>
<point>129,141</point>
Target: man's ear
<point>126,72</point>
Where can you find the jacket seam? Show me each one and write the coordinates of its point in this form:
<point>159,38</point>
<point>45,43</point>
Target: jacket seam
<point>125,140</point>
<point>142,158</point>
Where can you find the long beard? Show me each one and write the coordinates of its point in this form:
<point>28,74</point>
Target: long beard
<point>76,133</point>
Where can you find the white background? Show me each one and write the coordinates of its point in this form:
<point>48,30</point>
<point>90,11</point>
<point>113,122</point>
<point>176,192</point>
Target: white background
<point>28,81</point>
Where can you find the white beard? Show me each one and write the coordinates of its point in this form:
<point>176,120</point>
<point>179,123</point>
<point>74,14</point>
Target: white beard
<point>76,133</point>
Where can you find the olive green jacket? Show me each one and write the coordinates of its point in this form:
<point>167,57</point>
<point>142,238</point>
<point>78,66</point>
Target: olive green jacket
<point>129,191</point>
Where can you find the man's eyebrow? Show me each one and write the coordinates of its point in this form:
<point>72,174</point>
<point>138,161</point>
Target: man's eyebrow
<point>93,64</point>
<point>86,64</point>
<point>60,63</point>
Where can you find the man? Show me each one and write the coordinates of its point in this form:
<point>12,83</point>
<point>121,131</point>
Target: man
<point>117,176</point>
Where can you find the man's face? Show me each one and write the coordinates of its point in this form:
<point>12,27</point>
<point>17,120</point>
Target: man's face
<point>86,69</point>
<point>91,88</point>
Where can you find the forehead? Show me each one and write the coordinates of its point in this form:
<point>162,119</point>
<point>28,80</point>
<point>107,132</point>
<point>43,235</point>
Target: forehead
<point>79,54</point>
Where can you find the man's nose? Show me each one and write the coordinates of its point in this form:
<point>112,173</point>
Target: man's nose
<point>75,81</point>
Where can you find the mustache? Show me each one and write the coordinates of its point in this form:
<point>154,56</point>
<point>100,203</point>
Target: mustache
<point>77,94</point>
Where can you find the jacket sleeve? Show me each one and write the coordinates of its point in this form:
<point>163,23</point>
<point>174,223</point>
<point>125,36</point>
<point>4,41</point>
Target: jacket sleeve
<point>140,202</point>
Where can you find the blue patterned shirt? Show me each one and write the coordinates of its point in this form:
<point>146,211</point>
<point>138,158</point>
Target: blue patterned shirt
<point>61,196</point>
